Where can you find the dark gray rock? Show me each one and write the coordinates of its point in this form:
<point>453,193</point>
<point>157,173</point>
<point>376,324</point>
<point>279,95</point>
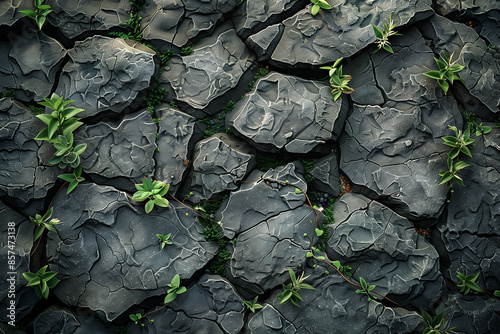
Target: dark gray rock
<point>334,304</point>
<point>106,74</point>
<point>123,262</point>
<point>177,135</point>
<point>16,235</point>
<point>76,17</point>
<point>178,22</point>
<point>23,174</point>
<point>469,235</point>
<point>289,113</point>
<point>9,11</point>
<point>263,41</point>
<point>445,7</point>
<point>29,64</point>
<point>326,174</point>
<point>482,68</point>
<point>212,71</point>
<point>340,32</point>
<point>219,163</point>
<point>384,249</point>
<point>209,306</point>
<point>57,319</point>
<point>121,152</point>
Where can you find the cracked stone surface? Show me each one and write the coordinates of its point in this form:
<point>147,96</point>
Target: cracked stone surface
<point>210,72</point>
<point>105,74</point>
<point>180,21</point>
<point>57,319</point>
<point>124,263</point>
<point>9,11</point>
<point>121,152</point>
<point>219,163</point>
<point>16,235</point>
<point>340,32</point>
<point>384,249</point>
<point>326,174</point>
<point>29,64</point>
<point>24,174</point>
<point>334,304</point>
<point>448,6</point>
<point>76,17</point>
<point>469,235</point>
<point>209,306</point>
<point>177,135</point>
<point>288,113</point>
<point>482,66</point>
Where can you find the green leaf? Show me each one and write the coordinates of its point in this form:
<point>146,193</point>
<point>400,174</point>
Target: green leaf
<point>181,289</point>
<point>53,282</point>
<point>292,276</point>
<point>314,9</point>
<point>48,275</point>
<point>43,135</point>
<point>176,281</point>
<point>337,95</point>
<point>446,177</point>
<point>40,20</point>
<point>453,153</point>
<point>461,165</point>
<point>323,4</point>
<point>45,293</point>
<point>149,206</point>
<point>433,74</point>
<point>169,298</point>
<point>29,276</point>
<point>148,184</point>
<point>465,151</point>
<point>497,293</point>
<point>298,191</point>
<point>67,177</point>
<point>444,86</point>
<point>388,48</point>
<point>309,254</point>
<point>72,186</point>
<point>71,125</point>
<point>80,148</point>
<point>164,190</point>
<point>319,232</point>
<point>38,232</point>
<point>336,264</point>
<point>378,32</point>
<point>456,68</point>
<point>34,281</point>
<point>161,202</point>
<point>285,296</point>
<point>31,14</point>
<point>363,283</point>
<point>52,127</point>
<point>140,196</point>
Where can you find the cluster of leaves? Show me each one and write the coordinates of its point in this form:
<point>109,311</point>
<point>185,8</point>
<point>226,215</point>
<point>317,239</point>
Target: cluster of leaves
<point>438,325</point>
<point>366,289</point>
<point>61,124</point>
<point>262,72</point>
<point>468,283</point>
<point>472,123</point>
<point>338,81</point>
<point>383,35</point>
<point>36,110</point>
<point>252,305</point>
<point>153,191</point>
<point>9,92</point>
<point>42,281</point>
<point>317,4</point>
<point>308,167</point>
<point>39,14</point>
<point>216,127</point>
<point>43,223</point>
<point>447,73</point>
<point>344,269</point>
<point>155,97</point>
<point>164,239</point>
<point>291,291</point>
<point>187,50</point>
<point>133,25</point>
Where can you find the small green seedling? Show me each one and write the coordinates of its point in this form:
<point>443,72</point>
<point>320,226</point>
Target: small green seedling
<point>291,290</point>
<point>345,270</point>
<point>482,129</point>
<point>317,251</point>
<point>437,325</point>
<point>42,281</point>
<point>164,239</point>
<point>458,143</point>
<point>451,175</point>
<point>383,35</point>
<point>317,4</point>
<point>39,14</point>
<point>175,289</point>
<point>67,155</point>
<point>447,73</point>
<point>468,283</point>
<point>252,305</point>
<point>338,81</point>
<point>153,191</point>
<point>43,223</point>
<point>138,317</point>
<point>73,178</point>
<point>366,289</point>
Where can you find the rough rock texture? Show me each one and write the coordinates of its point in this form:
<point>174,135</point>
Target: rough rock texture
<point>326,174</point>
<point>471,314</point>
<point>16,233</point>
<point>445,7</point>
<point>29,64</point>
<point>289,113</point>
<point>340,32</point>
<point>177,135</point>
<point>121,152</point>
<point>9,10</point>
<point>180,21</point>
<point>123,262</point>
<point>252,16</point>
<point>481,74</point>
<point>384,249</point>
<point>219,163</point>
<point>469,235</point>
<point>209,306</point>
<point>334,304</point>
<point>263,41</point>
<point>105,74</point>
<point>57,319</point>
<point>24,175</point>
<point>75,17</point>
<point>213,69</point>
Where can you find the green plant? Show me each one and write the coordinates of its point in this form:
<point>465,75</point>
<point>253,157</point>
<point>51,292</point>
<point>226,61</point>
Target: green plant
<point>187,50</point>
<point>317,4</point>
<point>164,239</point>
<point>39,14</point>
<point>153,191</point>
<point>133,24</point>
<point>138,317</point>
<point>338,81</point>
<point>291,290</point>
<point>458,143</point>
<point>437,325</point>
<point>262,72</point>
<point>9,92</point>
<point>451,175</point>
<point>366,289</point>
<point>43,223</point>
<point>73,178</point>
<point>67,155</point>
<point>468,283</point>
<point>252,305</point>
<point>482,129</point>
<point>447,71</point>
<point>42,281</point>
<point>344,269</point>
<point>383,35</point>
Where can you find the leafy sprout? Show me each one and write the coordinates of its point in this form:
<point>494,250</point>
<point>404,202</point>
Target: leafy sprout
<point>338,81</point>
<point>383,35</point>
<point>366,289</point>
<point>252,305</point>
<point>43,223</point>
<point>447,73</point>
<point>468,283</point>
<point>39,14</point>
<point>438,325</point>
<point>153,191</point>
<point>317,4</point>
<point>42,281</point>
<point>291,290</point>
<point>164,239</point>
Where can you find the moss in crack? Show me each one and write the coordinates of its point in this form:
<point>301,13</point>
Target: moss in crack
<point>216,122</point>
<point>155,97</point>
<point>308,166</point>
<point>266,161</point>
<point>133,25</point>
<point>9,92</point>
<point>262,72</point>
